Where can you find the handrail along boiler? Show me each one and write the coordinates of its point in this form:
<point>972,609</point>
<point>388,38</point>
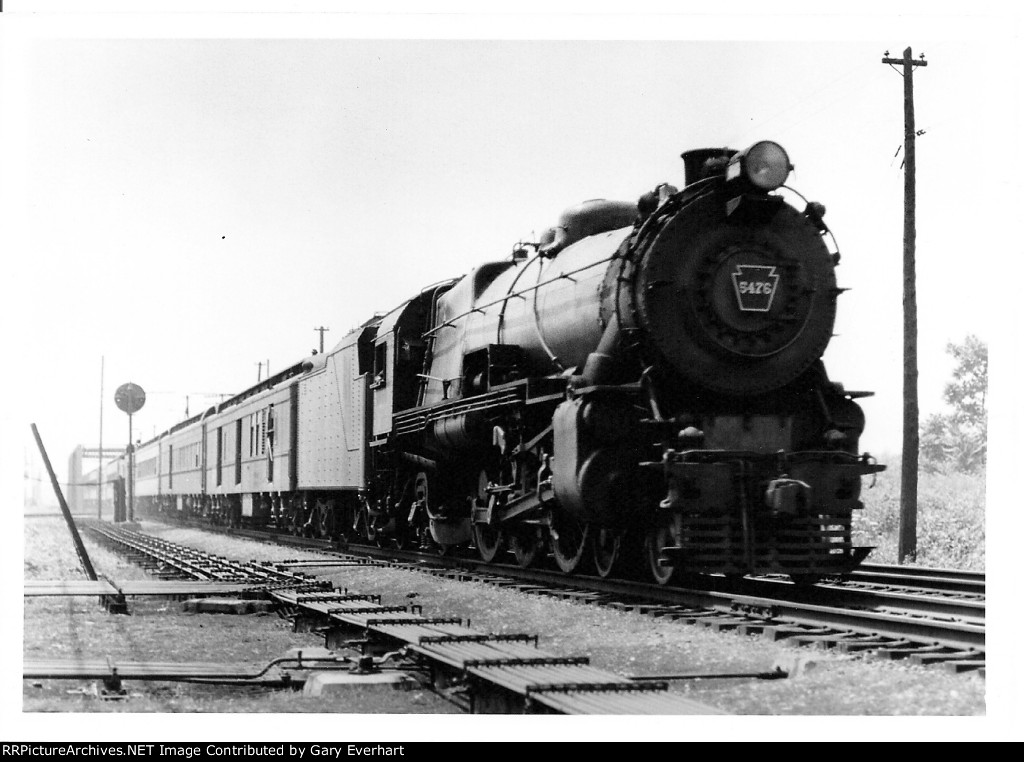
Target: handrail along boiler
<point>642,388</point>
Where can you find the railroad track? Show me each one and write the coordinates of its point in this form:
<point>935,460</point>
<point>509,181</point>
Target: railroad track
<point>481,672</point>
<point>924,616</point>
<point>929,578</point>
<point>923,629</point>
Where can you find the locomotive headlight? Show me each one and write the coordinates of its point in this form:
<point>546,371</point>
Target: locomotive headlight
<point>765,165</point>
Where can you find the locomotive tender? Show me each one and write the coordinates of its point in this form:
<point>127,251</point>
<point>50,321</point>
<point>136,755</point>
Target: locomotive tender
<point>640,389</point>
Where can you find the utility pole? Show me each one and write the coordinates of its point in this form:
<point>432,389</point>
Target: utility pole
<point>907,548</point>
<point>321,330</point>
<point>99,475</point>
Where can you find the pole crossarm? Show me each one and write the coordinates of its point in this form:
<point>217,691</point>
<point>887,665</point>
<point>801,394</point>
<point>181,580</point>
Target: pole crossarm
<point>321,330</point>
<point>904,61</point>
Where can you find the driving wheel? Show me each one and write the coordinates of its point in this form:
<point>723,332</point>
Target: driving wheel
<point>489,538</point>
<point>664,534</point>
<point>607,547</point>
<point>569,542</point>
<point>526,545</point>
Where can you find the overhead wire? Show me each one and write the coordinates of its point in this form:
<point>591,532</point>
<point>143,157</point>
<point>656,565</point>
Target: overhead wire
<point>804,99</point>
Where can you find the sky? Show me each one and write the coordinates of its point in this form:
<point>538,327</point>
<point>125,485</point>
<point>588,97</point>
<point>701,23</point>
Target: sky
<point>192,208</point>
<point>186,197</point>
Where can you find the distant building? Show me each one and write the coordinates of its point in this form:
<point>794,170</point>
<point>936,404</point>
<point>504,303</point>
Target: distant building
<point>82,490</point>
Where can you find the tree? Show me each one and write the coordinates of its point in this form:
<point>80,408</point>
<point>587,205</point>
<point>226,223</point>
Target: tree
<point>966,392</point>
<point>958,440</point>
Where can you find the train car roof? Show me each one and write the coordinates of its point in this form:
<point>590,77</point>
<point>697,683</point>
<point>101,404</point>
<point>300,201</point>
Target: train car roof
<point>289,374</point>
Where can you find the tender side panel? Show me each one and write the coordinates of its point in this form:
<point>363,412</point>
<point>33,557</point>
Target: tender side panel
<point>333,421</point>
<point>353,389</point>
<point>317,417</point>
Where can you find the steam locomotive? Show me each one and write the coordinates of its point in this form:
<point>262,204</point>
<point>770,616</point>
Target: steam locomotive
<point>642,389</point>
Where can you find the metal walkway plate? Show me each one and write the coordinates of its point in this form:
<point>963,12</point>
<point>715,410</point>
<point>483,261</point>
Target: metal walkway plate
<point>37,588</point>
<point>511,662</point>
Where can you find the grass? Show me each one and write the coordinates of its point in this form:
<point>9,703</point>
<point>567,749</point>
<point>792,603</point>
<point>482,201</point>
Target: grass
<point>159,629</point>
<point>950,519</point>
<point>951,533</point>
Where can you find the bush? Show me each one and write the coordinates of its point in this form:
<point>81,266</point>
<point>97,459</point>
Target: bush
<point>950,518</point>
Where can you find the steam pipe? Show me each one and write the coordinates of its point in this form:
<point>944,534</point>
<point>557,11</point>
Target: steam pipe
<point>601,361</point>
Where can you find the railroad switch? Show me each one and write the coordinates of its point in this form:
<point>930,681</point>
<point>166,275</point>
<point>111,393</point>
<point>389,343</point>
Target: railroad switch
<point>113,690</point>
<point>115,604</point>
<point>364,665</point>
